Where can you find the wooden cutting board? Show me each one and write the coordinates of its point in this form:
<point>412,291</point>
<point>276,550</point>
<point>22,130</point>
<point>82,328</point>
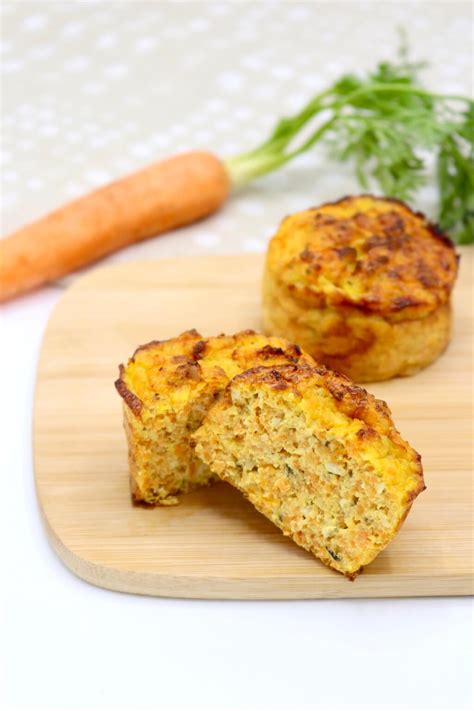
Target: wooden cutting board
<point>215,545</point>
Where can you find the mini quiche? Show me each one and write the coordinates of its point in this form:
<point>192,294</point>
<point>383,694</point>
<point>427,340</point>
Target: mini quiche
<point>363,285</point>
<point>167,388</point>
<point>318,456</point>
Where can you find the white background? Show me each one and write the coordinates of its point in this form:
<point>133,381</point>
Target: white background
<point>95,89</point>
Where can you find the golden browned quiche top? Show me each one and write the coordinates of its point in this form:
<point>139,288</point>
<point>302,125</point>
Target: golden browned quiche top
<point>372,253</point>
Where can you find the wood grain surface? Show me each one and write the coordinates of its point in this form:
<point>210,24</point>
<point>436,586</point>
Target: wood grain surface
<point>215,545</point>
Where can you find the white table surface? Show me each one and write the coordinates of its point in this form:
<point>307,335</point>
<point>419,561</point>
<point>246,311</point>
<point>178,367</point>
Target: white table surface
<point>92,90</point>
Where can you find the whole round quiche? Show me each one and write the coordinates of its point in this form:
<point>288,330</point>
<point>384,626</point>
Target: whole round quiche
<point>362,284</point>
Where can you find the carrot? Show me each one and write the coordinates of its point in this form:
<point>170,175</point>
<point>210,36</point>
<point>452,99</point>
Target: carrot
<point>167,194</point>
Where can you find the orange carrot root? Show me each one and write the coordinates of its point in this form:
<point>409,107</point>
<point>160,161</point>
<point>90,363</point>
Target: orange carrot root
<point>165,195</point>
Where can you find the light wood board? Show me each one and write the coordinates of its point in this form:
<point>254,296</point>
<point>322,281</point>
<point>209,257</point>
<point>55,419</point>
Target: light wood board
<point>215,545</point>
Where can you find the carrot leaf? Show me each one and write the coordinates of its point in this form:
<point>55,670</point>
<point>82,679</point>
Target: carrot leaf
<point>386,123</point>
